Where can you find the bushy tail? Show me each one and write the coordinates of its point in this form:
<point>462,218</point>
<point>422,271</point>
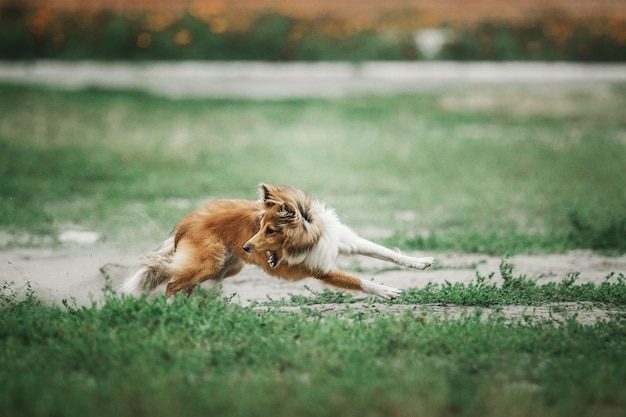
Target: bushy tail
<point>152,271</point>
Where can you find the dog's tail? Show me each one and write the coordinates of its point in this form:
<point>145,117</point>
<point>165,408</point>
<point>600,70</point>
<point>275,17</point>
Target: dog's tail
<point>152,271</point>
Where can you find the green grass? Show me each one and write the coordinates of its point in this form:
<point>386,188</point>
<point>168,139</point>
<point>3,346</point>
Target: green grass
<point>478,170</point>
<point>496,171</point>
<point>486,292</point>
<point>205,356</point>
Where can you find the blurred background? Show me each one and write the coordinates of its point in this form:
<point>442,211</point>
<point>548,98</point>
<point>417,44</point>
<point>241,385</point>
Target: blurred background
<point>324,30</point>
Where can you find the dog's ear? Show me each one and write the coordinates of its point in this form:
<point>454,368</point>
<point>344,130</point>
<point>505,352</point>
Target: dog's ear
<point>265,193</point>
<point>287,211</point>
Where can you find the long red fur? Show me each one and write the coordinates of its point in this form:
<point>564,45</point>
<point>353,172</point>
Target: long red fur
<point>209,244</point>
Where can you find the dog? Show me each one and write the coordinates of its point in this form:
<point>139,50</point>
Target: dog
<point>285,232</point>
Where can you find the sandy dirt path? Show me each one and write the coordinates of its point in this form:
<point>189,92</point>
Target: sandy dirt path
<point>77,274</point>
<point>260,80</point>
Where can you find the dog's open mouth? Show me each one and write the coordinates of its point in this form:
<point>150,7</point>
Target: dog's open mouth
<point>272,259</point>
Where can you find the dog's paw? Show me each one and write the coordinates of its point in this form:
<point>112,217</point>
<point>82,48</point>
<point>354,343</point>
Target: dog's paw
<point>419,263</point>
<point>428,261</point>
<point>389,293</point>
<point>382,291</point>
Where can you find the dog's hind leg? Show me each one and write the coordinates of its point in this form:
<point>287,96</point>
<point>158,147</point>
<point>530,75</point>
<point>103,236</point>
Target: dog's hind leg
<point>356,245</point>
<point>191,267</point>
<point>193,264</point>
<point>348,282</point>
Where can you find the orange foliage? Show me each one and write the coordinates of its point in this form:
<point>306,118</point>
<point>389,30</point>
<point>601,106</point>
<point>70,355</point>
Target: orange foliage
<point>559,19</point>
<point>183,38</point>
<point>159,21</point>
<point>430,13</point>
<point>144,40</point>
<point>40,20</point>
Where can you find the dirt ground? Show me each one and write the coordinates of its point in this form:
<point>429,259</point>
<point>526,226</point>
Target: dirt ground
<point>77,274</point>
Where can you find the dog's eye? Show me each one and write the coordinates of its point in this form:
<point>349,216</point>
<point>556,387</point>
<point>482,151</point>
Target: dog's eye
<point>269,231</point>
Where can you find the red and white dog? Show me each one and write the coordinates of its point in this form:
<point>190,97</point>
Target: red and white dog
<point>285,232</point>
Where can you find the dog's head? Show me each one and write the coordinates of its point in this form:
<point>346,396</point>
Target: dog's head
<point>287,229</point>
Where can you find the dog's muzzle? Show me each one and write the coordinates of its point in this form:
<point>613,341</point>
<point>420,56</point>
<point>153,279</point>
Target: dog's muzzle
<point>247,248</point>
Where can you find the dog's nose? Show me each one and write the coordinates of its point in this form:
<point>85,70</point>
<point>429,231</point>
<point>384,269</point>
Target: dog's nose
<point>247,248</point>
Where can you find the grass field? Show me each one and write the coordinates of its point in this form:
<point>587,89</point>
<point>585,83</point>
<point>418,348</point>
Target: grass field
<point>205,356</point>
<point>475,170</point>
<point>486,170</point>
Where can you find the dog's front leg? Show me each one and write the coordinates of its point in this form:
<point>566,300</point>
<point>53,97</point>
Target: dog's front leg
<point>359,246</point>
<point>348,282</point>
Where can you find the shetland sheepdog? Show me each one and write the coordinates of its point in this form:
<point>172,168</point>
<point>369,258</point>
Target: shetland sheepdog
<point>285,232</point>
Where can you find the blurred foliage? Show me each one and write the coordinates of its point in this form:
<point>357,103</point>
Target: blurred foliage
<point>32,33</point>
<point>551,38</point>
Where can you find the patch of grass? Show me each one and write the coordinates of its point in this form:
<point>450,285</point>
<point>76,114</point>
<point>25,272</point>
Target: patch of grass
<point>326,296</point>
<point>486,292</point>
<point>517,290</point>
<point>437,169</point>
<point>606,234</point>
<point>202,355</point>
